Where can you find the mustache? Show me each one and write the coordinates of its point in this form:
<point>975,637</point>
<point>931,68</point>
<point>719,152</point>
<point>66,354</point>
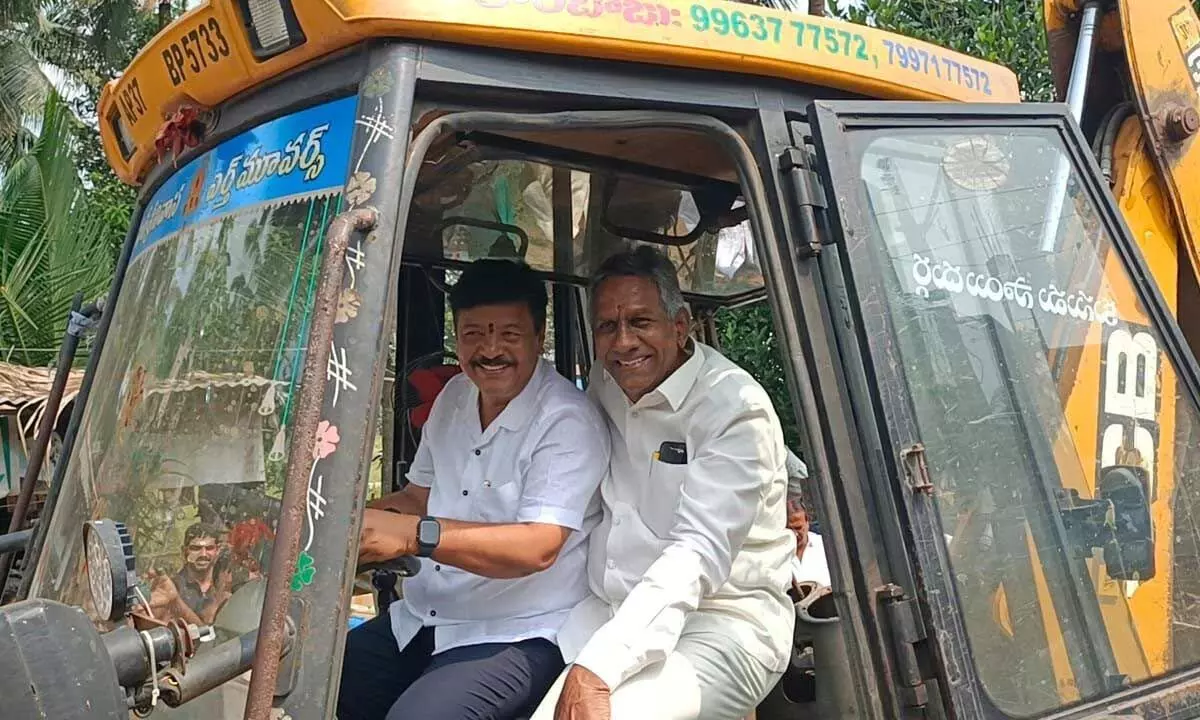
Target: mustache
<point>499,360</point>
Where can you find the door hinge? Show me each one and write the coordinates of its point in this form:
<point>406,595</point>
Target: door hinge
<point>906,630</point>
<point>916,470</point>
<point>808,197</point>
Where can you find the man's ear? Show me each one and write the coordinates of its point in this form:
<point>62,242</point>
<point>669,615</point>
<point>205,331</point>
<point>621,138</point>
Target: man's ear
<point>683,326</point>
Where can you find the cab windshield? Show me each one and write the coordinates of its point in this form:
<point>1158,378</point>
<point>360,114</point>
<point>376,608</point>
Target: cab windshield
<point>1009,340</point>
<point>186,436</point>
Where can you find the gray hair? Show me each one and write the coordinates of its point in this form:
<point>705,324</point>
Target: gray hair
<point>643,261</point>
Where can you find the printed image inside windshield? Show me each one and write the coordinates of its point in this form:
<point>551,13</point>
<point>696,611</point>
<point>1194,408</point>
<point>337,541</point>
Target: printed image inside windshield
<point>1011,343</point>
<point>186,434</point>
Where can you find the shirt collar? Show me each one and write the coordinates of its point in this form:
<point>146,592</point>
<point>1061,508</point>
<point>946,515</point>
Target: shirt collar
<point>678,384</point>
<point>517,413</point>
<point>675,388</point>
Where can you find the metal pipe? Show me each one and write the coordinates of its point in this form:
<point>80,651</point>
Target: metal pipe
<point>77,324</point>
<point>269,643</point>
<point>14,541</point>
<point>215,667</point>
<point>126,649</point>
<point>34,551</point>
<point>1081,69</point>
<point>1085,50</point>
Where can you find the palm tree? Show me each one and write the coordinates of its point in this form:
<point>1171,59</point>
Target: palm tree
<point>49,46</point>
<point>55,240</point>
<point>50,241</point>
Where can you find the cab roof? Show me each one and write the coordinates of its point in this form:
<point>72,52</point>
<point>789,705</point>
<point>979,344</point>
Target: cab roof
<point>207,57</point>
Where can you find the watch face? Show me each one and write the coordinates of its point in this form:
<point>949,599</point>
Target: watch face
<point>428,532</point>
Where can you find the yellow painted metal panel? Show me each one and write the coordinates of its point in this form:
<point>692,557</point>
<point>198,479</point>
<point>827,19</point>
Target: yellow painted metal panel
<point>205,57</point>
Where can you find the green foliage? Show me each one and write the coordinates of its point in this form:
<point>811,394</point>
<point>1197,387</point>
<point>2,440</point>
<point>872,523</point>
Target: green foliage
<point>48,248</point>
<point>747,337</point>
<point>1007,32</point>
<point>63,214</point>
<point>86,42</point>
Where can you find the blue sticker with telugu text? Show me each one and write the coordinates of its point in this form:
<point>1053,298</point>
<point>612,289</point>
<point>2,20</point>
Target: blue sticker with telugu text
<point>305,153</point>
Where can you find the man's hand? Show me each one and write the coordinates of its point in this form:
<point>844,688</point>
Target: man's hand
<point>387,535</point>
<point>584,697</point>
<point>164,596</point>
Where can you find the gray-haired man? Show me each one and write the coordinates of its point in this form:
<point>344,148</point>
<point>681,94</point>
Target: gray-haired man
<point>689,568</point>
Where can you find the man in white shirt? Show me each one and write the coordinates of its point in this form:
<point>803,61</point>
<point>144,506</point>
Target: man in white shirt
<point>809,564</point>
<point>500,500</point>
<point>689,567</point>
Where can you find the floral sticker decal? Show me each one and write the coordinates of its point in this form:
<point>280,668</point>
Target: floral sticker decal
<point>360,188</point>
<point>305,571</point>
<point>327,440</point>
<point>378,82</point>
<point>348,303</point>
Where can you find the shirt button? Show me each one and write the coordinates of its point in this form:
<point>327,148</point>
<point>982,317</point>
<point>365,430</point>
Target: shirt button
<point>437,568</point>
<point>465,493</point>
<point>478,451</point>
<point>611,564</point>
<point>635,413</point>
<point>616,521</point>
<point>433,613</point>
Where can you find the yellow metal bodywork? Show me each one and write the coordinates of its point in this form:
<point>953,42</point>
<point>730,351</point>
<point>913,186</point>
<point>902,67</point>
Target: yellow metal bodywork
<point>1156,184</point>
<point>204,58</point>
<point>1162,49</point>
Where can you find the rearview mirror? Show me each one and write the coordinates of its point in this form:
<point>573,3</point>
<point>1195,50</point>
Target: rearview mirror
<point>664,214</point>
<point>1129,551</point>
<point>1117,521</point>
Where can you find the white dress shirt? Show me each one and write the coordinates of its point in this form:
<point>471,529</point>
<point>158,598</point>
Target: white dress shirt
<point>812,567</point>
<point>696,547</point>
<point>539,461</point>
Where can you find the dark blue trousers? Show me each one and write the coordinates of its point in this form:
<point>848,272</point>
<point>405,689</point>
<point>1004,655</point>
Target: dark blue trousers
<point>499,681</point>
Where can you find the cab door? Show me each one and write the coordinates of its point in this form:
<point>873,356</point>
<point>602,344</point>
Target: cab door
<point>1031,405</point>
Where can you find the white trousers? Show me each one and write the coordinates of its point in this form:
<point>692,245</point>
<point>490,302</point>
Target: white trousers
<point>706,677</point>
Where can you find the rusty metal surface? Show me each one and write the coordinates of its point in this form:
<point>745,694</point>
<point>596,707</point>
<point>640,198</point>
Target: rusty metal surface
<point>354,381</point>
<point>271,629</point>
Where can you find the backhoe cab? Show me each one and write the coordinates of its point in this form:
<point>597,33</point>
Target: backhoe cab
<point>955,299</point>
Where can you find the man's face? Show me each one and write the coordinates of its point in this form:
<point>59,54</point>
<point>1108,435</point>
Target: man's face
<point>797,522</point>
<point>498,348</point>
<point>639,344</point>
<point>200,553</point>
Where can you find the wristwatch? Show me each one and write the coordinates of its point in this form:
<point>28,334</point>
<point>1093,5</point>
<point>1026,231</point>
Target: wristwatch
<point>429,534</point>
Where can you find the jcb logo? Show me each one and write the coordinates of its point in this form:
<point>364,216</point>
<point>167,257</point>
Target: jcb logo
<point>1187,34</point>
<point>1193,63</point>
<point>1130,401</point>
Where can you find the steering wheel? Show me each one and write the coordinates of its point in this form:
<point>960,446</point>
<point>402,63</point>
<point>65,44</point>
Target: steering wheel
<point>406,566</point>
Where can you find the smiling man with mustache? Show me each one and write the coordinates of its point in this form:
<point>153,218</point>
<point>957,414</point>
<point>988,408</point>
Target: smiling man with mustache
<point>689,568</point>
<point>501,494</point>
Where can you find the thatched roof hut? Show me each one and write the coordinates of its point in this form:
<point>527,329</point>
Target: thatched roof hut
<point>24,390</point>
<point>23,395</point>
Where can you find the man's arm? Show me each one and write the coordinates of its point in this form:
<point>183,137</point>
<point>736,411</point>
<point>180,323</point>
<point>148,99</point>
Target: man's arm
<point>496,551</point>
<point>565,470</point>
<point>720,499</point>
<point>413,500</point>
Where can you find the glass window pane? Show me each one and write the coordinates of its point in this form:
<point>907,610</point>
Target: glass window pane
<point>186,434</point>
<point>505,208</point>
<point>1006,330</point>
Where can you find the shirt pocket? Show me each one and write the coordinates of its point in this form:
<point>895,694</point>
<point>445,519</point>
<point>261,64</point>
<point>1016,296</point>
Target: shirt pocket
<point>661,496</point>
<point>497,502</point>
